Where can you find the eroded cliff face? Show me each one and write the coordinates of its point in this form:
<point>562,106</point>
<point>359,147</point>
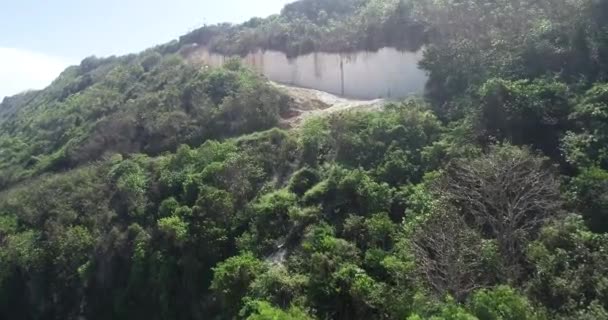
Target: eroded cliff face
<point>387,73</point>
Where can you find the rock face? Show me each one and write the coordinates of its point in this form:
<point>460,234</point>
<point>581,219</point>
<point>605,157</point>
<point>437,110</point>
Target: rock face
<point>387,73</point>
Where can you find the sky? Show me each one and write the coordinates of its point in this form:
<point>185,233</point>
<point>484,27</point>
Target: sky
<point>40,38</point>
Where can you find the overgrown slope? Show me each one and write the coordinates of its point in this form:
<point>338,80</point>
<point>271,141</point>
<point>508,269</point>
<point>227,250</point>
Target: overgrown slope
<point>167,194</point>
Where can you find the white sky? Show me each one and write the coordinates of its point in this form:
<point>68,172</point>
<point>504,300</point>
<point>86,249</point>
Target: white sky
<point>21,70</point>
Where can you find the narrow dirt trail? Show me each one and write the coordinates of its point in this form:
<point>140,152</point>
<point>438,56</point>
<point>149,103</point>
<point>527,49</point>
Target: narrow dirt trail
<point>313,103</point>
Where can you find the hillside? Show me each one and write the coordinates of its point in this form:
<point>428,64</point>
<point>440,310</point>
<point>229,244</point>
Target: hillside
<point>146,103</point>
<point>319,26</point>
<point>148,187</point>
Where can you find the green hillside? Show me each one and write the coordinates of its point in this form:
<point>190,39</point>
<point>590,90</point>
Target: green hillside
<point>147,103</point>
<point>320,25</point>
<point>145,187</point>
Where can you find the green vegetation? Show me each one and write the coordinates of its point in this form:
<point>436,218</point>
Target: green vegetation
<point>142,187</point>
<point>140,103</point>
<point>319,25</point>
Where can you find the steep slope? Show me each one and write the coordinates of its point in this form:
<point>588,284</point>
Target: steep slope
<point>138,237</point>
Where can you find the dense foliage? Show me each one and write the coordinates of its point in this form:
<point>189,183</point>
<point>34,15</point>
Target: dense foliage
<point>319,25</point>
<point>141,187</point>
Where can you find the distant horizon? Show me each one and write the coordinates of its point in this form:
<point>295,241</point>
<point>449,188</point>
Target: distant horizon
<point>53,36</point>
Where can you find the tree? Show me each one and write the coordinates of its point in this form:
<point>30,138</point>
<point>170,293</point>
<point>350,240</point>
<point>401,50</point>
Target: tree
<point>586,146</point>
<point>131,183</point>
<point>377,231</point>
<point>323,257</point>
<point>271,221</point>
<point>448,254</point>
<point>232,278</point>
<point>502,303</point>
<point>524,112</point>
<point>278,286</point>
<point>174,228</point>
<point>345,191</point>
<point>589,193</point>
<point>570,268</point>
<point>508,193</point>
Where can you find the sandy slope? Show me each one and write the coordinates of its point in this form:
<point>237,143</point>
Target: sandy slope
<point>313,103</point>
